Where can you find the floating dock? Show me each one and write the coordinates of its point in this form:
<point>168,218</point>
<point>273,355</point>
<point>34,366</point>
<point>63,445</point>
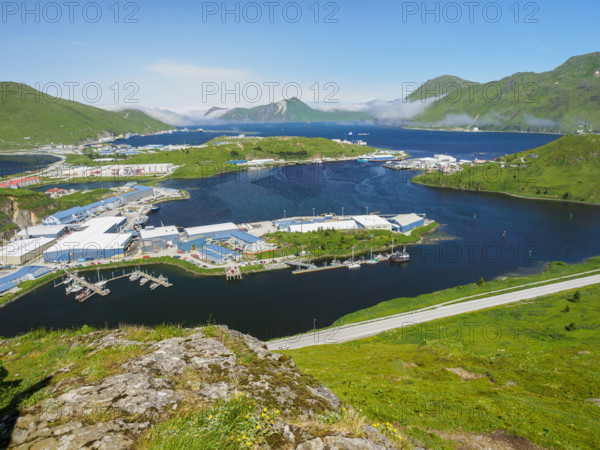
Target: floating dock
<point>160,280</point>
<point>93,288</point>
<point>310,268</point>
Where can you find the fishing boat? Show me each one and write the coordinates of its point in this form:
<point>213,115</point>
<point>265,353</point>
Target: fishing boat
<point>143,281</point>
<point>155,208</point>
<point>142,220</point>
<point>85,294</point>
<point>401,256</point>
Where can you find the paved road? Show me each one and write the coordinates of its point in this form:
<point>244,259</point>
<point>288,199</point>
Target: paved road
<point>365,329</point>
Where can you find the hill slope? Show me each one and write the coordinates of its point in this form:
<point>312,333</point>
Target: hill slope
<point>27,113</point>
<point>292,110</point>
<point>522,376</point>
<point>565,169</point>
<point>551,101</point>
<point>167,388</point>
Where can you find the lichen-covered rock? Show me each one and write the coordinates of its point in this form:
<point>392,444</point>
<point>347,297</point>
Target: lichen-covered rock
<point>145,389</point>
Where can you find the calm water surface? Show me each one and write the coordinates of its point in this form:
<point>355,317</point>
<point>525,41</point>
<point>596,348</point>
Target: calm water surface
<point>275,304</point>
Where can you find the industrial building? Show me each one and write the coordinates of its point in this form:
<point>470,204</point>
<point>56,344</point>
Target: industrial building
<point>37,231</point>
<point>79,213</point>
<point>139,193</point>
<point>210,231</point>
<point>243,240</point>
<point>24,250</point>
<point>159,238</point>
<point>305,227</point>
<point>98,238</point>
<point>191,245</point>
<point>18,183</point>
<point>218,255</point>
<point>372,222</point>
<point>26,273</point>
<point>406,222</point>
<point>250,244</point>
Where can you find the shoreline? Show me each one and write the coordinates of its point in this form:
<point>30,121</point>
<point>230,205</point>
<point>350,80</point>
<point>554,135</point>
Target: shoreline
<point>191,268</point>
<point>525,197</point>
<point>553,133</point>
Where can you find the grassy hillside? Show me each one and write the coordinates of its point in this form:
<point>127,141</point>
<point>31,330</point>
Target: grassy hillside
<point>565,169</point>
<point>46,119</point>
<point>551,101</point>
<point>445,84</point>
<point>524,372</point>
<point>211,159</point>
<point>292,110</point>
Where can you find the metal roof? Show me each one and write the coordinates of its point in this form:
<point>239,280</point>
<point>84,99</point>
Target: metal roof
<point>406,219</point>
<point>245,237</point>
<point>151,233</point>
<point>194,231</point>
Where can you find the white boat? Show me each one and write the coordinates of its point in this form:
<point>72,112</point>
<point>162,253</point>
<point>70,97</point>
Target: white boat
<point>353,265</point>
<point>134,276</point>
<point>143,281</point>
<point>73,288</point>
<point>154,286</point>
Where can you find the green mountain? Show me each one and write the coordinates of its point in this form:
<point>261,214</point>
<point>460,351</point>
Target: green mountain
<point>446,84</point>
<point>565,169</point>
<point>43,119</point>
<point>562,99</point>
<point>292,110</point>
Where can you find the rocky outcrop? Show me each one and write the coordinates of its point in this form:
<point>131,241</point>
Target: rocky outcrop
<point>20,217</point>
<point>183,372</point>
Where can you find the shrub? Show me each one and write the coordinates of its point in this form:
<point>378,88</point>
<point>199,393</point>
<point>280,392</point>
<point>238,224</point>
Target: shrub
<point>481,282</point>
<point>571,327</point>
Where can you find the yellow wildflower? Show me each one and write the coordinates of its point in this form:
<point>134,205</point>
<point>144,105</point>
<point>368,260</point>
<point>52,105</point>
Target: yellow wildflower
<point>265,409</point>
<point>258,427</point>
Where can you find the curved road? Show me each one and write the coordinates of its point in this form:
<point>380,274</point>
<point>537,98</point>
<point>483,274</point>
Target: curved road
<point>368,328</point>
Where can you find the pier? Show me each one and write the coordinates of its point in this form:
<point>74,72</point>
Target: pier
<point>233,273</point>
<point>309,268</point>
<point>92,288</point>
<point>160,280</point>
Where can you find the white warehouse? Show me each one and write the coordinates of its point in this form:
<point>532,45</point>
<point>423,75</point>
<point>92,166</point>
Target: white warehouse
<point>98,238</point>
<point>372,223</point>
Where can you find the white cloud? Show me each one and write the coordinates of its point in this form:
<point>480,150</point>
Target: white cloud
<point>174,69</point>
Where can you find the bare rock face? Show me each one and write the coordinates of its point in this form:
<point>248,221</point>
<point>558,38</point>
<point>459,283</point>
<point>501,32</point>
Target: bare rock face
<point>113,412</point>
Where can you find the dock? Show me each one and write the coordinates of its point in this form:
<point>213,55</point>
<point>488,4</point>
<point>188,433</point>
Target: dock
<point>233,273</point>
<point>310,268</point>
<point>160,280</point>
<point>96,288</point>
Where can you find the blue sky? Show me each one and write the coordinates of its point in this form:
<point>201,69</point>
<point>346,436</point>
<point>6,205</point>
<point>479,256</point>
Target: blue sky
<point>371,50</point>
